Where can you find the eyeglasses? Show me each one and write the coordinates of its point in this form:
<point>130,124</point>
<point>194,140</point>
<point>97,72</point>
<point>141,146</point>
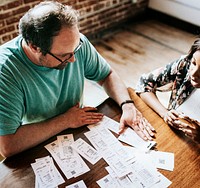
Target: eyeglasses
<point>68,55</point>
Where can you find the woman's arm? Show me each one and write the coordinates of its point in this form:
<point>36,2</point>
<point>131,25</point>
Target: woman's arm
<point>151,82</point>
<point>152,101</point>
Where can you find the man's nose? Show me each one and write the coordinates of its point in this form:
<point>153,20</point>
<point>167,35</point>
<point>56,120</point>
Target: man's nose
<point>72,59</point>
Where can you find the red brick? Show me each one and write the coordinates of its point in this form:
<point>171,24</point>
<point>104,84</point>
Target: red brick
<point>30,1</point>
<point>95,15</point>
<point>12,20</point>
<point>5,15</point>
<point>98,6</point>
<point>2,23</point>
<point>7,29</point>
<point>21,10</point>
<point>6,38</point>
<point>15,35</point>
<point>10,5</point>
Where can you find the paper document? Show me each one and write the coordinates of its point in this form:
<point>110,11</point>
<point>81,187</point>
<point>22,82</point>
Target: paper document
<point>163,160</point>
<point>130,137</point>
<point>46,173</point>
<point>79,184</point>
<point>72,166</point>
<point>87,151</point>
<point>128,166</point>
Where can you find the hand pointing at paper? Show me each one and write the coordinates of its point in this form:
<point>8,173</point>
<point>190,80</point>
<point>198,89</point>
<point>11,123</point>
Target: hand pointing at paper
<point>141,126</point>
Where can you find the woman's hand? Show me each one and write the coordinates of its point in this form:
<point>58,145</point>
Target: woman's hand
<point>190,127</point>
<point>172,119</point>
<point>133,118</point>
<point>193,133</point>
<point>192,130</point>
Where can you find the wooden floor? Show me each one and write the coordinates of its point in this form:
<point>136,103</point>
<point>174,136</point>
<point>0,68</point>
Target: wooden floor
<point>140,47</point>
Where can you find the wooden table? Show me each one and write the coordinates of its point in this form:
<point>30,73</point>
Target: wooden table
<point>186,173</point>
<point>16,171</point>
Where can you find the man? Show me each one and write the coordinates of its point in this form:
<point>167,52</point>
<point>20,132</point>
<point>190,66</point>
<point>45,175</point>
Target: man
<point>42,80</point>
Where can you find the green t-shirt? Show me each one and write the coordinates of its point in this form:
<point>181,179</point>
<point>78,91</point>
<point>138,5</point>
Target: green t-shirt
<point>31,93</point>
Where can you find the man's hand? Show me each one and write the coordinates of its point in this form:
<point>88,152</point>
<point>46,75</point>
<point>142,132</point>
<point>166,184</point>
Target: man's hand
<point>77,117</point>
<point>137,122</point>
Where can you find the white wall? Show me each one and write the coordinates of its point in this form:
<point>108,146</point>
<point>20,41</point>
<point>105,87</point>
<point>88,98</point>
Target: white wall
<point>186,10</point>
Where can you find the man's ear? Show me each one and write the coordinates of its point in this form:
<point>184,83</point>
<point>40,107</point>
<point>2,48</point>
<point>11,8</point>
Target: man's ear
<point>34,48</point>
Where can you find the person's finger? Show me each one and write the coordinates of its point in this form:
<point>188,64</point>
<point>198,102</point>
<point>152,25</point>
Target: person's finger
<point>139,129</point>
<point>93,114</point>
<point>182,115</point>
<point>146,130</point>
<point>172,124</point>
<point>182,124</point>
<point>121,127</point>
<point>174,113</point>
<point>88,108</point>
<point>148,125</point>
<point>142,135</point>
<point>171,116</point>
<point>91,121</point>
<point>150,132</point>
<point>190,136</point>
<point>187,131</point>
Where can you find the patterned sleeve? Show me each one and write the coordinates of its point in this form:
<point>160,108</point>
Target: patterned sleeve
<point>162,76</point>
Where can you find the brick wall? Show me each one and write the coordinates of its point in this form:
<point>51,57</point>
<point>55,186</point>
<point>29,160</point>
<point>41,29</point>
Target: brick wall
<point>96,16</point>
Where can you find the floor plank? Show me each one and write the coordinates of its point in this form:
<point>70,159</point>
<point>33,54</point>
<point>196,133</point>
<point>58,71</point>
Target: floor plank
<point>140,47</point>
<point>163,34</point>
<point>131,55</point>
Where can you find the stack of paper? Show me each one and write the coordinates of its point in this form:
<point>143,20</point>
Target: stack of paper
<point>66,157</point>
<point>46,173</point>
<point>128,166</point>
<point>131,165</point>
